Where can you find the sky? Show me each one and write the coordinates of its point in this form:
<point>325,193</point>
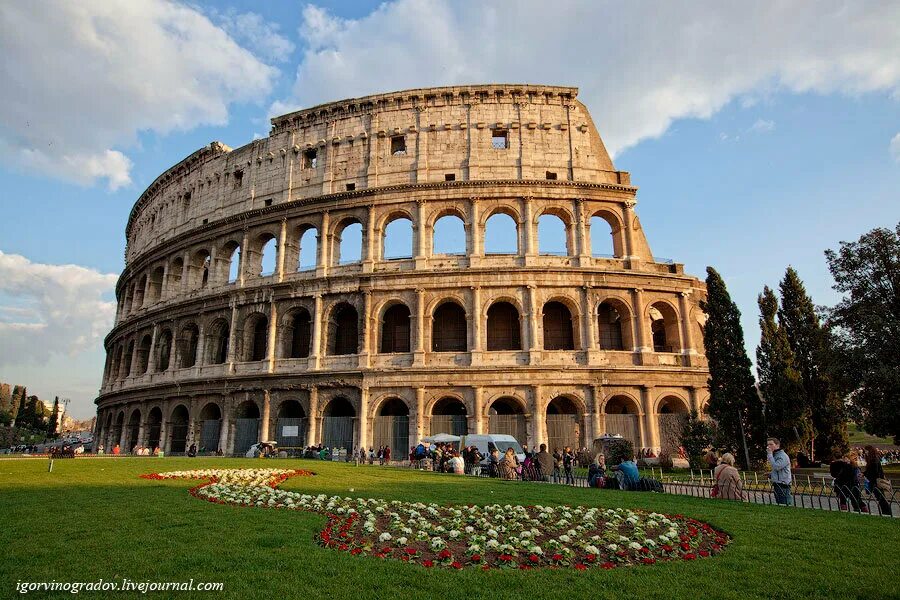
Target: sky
<point>758,134</point>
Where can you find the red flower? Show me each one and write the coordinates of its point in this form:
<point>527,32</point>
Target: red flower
<point>557,556</point>
<point>621,554</point>
<point>689,556</point>
<point>456,564</point>
<point>645,550</point>
<point>485,567</point>
<point>704,553</point>
<point>648,561</point>
<point>608,565</point>
<point>525,567</point>
<point>685,546</point>
<point>444,554</point>
<point>344,546</point>
<point>355,551</point>
<point>533,558</point>
<point>427,563</point>
<point>591,557</point>
<point>476,558</point>
<point>411,551</point>
<point>580,567</point>
<point>506,557</point>
<point>666,548</point>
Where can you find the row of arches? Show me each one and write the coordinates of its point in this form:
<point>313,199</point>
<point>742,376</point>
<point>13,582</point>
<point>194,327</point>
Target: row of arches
<point>503,229</point>
<point>562,424</point>
<point>505,329</point>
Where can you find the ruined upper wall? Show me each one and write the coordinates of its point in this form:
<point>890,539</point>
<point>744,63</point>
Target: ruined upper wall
<point>401,138</point>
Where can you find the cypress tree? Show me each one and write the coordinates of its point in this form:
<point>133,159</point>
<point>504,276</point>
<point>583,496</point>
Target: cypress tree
<point>21,416</point>
<point>35,412</point>
<point>787,416</point>
<point>53,423</point>
<point>809,342</point>
<point>734,402</point>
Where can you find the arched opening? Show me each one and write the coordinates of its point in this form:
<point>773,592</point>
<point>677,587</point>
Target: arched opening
<point>621,414</point>
<point>298,335</point>
<point>503,327</point>
<point>154,285</point>
<point>672,416</point>
<point>233,264</point>
<point>256,337</point>
<point>154,427</point>
<point>217,344</point>
<point>268,260</point>
<point>501,235</point>
<point>395,330</point>
<point>173,285</point>
<point>449,416</point>
<point>199,272</point>
<point>563,424</point>
<point>506,416</point>
<point>134,430</point>
<point>139,290</point>
<point>129,355</point>
<point>164,350</point>
<point>604,238</point>
<point>349,244</point>
<point>246,426</point>
<point>292,425</point>
<point>308,248</point>
<point>117,430</point>
<point>144,354</point>
<point>343,328</point>
<point>552,237</point>
<point>210,427</point>
<point>613,334</point>
<point>188,341</point>
<point>397,243</point>
<point>116,366</point>
<point>664,327</point>
<point>558,330</point>
<point>449,236</point>
<point>128,305</point>
<point>448,328</point>
<point>391,427</point>
<point>179,429</point>
<point>337,424</point>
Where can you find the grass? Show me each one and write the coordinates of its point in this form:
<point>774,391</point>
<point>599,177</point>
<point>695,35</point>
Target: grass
<point>93,519</point>
<point>858,437</point>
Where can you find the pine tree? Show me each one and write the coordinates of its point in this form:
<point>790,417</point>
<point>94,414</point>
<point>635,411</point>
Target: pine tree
<point>787,415</point>
<point>734,402</point>
<point>809,343</point>
<point>53,423</point>
<point>35,412</point>
<point>21,416</point>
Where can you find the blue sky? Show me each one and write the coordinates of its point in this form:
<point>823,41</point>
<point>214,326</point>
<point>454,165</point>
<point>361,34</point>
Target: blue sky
<point>758,136</point>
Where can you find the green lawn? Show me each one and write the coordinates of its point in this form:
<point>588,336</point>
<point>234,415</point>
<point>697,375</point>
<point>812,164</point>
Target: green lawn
<point>93,519</point>
<point>858,437</point>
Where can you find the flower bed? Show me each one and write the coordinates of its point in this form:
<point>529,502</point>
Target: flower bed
<point>493,536</point>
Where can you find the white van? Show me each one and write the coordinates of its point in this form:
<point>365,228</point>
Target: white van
<point>502,442</point>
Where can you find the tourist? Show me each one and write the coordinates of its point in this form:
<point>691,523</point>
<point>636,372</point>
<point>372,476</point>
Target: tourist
<point>192,451</point>
<point>878,484</point>
<point>627,474</point>
<point>597,471</point>
<point>728,484</point>
<point>387,455</point>
<point>568,465</point>
<point>493,460</point>
<point>371,455</point>
<point>781,471</point>
<point>508,464</point>
<point>711,459</point>
<point>544,462</point>
<point>845,482</point>
<point>362,456</point>
<point>456,464</point>
<point>116,450</point>
<point>557,464</point>
<point>100,449</point>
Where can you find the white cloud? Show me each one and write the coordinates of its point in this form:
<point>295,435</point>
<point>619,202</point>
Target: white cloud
<point>639,66</point>
<point>258,34</point>
<point>50,310</point>
<point>763,126</point>
<point>895,147</point>
<point>81,79</point>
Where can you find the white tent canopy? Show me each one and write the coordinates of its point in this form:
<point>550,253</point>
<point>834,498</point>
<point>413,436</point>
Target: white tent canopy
<point>442,438</point>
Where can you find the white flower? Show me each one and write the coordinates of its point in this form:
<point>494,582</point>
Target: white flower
<point>634,546</point>
<point>565,539</point>
<point>591,549</point>
<point>401,541</point>
<point>384,537</point>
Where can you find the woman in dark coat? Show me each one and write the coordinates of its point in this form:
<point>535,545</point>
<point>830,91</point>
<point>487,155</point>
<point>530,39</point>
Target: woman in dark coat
<point>874,471</point>
<point>845,485</point>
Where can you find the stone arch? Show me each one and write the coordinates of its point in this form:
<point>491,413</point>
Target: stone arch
<point>164,349</point>
<point>506,416</point>
<point>296,332</point>
<point>449,414</point>
<point>449,327</point>
<point>154,427</point>
<point>217,341</point>
<point>621,404</point>
<point>155,285</point>
<point>559,324</point>
<point>671,414</point>
<point>605,222</point>
<point>504,327</point>
<point>448,233</point>
<point>553,225</point>
<point>230,264</point>
<point>390,425</point>
<point>210,423</point>
<point>500,223</point>
<point>664,328</point>
<point>266,248</point>
<point>291,408</point>
<point>187,346</point>
<point>255,337</point>
<point>139,291</point>
<point>115,370</point>
<point>614,330</point>
<point>200,269</point>
<point>390,405</point>
<point>179,418</point>
<point>132,437</point>
<point>348,236</point>
<point>128,359</point>
<point>128,305</point>
<point>396,235</point>
<point>670,403</point>
<point>118,429</point>
<point>144,354</point>
<point>338,417</point>
<point>174,281</point>
<point>291,424</point>
<point>564,415</point>
<point>395,328</point>
<point>307,247</point>
<point>622,415</point>
<point>343,330</point>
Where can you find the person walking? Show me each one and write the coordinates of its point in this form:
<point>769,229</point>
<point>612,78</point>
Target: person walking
<point>568,465</point>
<point>728,484</point>
<point>781,472</point>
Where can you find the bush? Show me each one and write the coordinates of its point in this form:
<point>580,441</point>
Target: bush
<point>619,450</point>
<point>696,437</point>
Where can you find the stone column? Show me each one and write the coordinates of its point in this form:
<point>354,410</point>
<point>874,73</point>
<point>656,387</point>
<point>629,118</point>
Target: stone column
<point>533,348</point>
<point>479,409</point>
<point>640,330</point>
<point>589,334</point>
<point>314,355</point>
<point>282,239</point>
<point>539,418</point>
<point>273,331</point>
<point>201,345</point>
<point>164,442</point>
<point>369,254</point>
<point>597,405</point>
<point>684,319</point>
<point>694,398</point>
<point>476,234</point>
<point>527,235</point>
<point>421,234</point>
<point>583,249</point>
<point>185,272</point>
<point>628,220</point>
<point>419,354</point>
<point>266,415</point>
<point>231,338</point>
<point>366,346</point>
<point>142,430</point>
<point>134,358</point>
<point>313,433</point>
<point>164,284</point>
<point>151,359</point>
<point>364,417</point>
<point>650,434</point>
<point>420,415</point>
<point>226,423</point>
<point>474,317</point>
<point>242,264</point>
<point>323,249</point>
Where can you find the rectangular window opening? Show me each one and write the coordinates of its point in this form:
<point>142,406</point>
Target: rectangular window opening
<point>499,139</point>
<point>238,178</point>
<point>450,177</point>
<point>310,158</point>
<point>351,187</point>
<point>398,145</point>
<point>269,202</point>
<point>551,176</point>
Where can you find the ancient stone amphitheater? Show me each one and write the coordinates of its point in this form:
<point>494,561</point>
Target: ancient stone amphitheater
<point>264,297</point>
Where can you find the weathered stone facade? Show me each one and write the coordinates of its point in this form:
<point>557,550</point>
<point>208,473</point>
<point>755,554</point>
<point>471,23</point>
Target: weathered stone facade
<point>556,348</point>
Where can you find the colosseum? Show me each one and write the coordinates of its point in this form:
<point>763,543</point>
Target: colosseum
<point>373,272</point>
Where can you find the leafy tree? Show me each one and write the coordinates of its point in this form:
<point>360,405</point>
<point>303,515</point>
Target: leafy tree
<point>21,418</point>
<point>787,414</point>
<point>696,436</point>
<point>5,398</point>
<point>866,338</point>
<point>734,402</point>
<point>809,342</point>
<point>53,422</point>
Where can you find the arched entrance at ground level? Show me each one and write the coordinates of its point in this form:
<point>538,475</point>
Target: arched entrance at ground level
<point>621,415</point>
<point>563,425</point>
<point>178,437</point>
<point>292,425</point>
<point>673,414</point>
<point>506,417</point>
<point>210,427</point>
<point>246,426</point>
<point>134,430</point>
<point>154,427</point>
<point>449,416</point>
<point>107,433</point>
<point>391,427</point>
<point>117,431</point>
<point>337,424</point>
